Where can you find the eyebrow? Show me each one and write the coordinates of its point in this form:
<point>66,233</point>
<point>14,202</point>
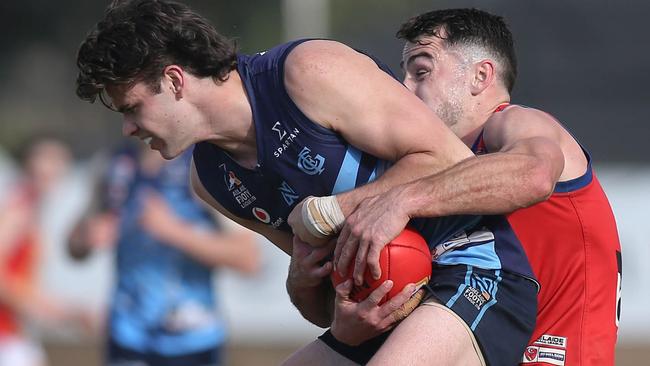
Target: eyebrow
<point>124,107</point>
<point>413,57</point>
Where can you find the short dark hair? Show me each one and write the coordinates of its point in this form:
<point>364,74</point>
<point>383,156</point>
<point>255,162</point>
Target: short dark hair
<point>467,26</point>
<point>137,39</point>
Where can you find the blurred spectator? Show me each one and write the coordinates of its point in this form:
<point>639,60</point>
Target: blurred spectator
<point>44,162</point>
<point>163,310</point>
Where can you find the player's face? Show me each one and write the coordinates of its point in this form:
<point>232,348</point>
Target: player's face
<point>438,76</point>
<point>161,120</point>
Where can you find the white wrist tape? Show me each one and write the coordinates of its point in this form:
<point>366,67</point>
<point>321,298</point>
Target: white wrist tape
<point>322,216</point>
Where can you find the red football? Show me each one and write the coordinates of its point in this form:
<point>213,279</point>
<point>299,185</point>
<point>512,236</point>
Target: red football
<point>406,259</point>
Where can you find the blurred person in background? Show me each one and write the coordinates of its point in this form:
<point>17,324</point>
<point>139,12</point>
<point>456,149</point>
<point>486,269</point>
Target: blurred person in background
<point>163,310</point>
<point>44,162</point>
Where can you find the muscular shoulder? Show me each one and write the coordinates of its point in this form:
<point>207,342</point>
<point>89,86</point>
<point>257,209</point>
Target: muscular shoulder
<point>317,58</point>
<point>518,122</point>
<point>516,115</point>
<point>322,76</point>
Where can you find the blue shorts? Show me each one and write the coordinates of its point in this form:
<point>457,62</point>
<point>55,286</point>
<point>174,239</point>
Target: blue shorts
<point>499,308</point>
<point>117,355</point>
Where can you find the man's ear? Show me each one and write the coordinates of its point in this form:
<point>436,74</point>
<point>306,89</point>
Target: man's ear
<point>174,78</point>
<point>483,75</point>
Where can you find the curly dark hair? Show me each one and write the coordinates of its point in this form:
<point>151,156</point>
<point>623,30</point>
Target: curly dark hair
<point>137,39</point>
<point>467,26</point>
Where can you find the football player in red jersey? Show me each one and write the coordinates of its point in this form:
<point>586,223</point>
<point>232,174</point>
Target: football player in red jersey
<point>528,166</point>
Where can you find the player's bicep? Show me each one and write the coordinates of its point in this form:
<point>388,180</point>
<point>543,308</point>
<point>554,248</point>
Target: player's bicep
<point>280,239</point>
<point>347,92</point>
<point>528,133</point>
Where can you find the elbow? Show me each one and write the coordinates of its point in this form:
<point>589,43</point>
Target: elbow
<point>250,266</point>
<point>250,262</point>
<point>542,181</point>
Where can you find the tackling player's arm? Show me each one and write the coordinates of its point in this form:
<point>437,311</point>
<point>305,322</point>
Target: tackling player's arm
<point>345,91</point>
<point>529,156</point>
<point>307,283</point>
<point>531,152</point>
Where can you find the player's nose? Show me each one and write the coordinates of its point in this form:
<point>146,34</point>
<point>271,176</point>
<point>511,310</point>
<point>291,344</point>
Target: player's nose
<point>128,128</point>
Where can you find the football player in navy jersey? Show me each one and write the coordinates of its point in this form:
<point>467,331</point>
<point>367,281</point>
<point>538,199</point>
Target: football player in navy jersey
<point>163,309</point>
<point>271,130</point>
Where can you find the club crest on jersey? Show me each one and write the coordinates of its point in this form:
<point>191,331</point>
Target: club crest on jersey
<point>546,355</point>
<point>290,196</point>
<point>261,215</point>
<point>308,164</point>
<point>531,353</point>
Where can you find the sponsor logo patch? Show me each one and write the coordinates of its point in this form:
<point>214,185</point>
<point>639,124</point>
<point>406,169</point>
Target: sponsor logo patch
<point>551,340</point>
<point>550,356</point>
<point>232,181</point>
<point>261,215</point>
<point>476,297</point>
<point>240,193</point>
<point>286,138</point>
<point>477,237</point>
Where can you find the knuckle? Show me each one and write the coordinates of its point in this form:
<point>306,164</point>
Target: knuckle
<point>358,261</point>
<point>356,231</point>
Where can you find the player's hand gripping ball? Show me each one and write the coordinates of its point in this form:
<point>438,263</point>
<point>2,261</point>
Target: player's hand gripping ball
<point>406,259</point>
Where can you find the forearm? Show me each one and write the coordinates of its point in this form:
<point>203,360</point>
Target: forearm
<point>316,219</point>
<point>495,183</point>
<point>409,168</point>
<point>232,249</point>
<point>314,303</point>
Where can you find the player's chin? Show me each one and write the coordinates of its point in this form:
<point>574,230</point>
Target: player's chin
<point>166,152</point>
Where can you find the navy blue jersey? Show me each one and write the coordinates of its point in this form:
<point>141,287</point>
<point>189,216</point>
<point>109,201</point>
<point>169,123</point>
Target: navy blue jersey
<point>296,156</point>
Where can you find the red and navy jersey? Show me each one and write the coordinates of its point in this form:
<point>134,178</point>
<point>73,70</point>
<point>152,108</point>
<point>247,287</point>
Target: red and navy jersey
<point>572,244</point>
<point>298,158</point>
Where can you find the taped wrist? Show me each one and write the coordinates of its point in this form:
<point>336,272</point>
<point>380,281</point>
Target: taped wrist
<point>322,216</point>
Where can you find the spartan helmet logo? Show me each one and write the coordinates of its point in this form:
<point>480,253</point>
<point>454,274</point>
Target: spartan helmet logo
<point>308,164</point>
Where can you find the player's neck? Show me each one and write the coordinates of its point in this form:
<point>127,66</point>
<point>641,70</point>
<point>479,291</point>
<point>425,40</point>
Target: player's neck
<point>229,119</point>
<point>477,116</point>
